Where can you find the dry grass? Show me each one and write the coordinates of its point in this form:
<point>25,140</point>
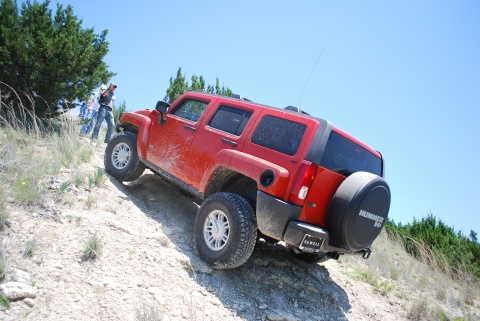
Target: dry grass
<point>92,248</point>
<point>418,310</point>
<point>148,312</point>
<point>390,270</point>
<point>33,150</point>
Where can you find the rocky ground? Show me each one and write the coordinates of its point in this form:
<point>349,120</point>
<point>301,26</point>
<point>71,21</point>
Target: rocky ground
<point>148,267</point>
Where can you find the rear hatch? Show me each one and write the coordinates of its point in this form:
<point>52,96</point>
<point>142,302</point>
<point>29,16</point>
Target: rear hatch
<point>342,156</point>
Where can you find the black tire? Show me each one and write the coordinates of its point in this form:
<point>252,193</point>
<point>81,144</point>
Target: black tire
<point>310,257</point>
<point>225,230</point>
<point>358,211</point>
<point>121,157</point>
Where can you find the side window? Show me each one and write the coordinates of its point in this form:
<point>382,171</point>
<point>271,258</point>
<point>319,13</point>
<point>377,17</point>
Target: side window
<point>190,109</point>
<point>231,120</point>
<point>279,134</point>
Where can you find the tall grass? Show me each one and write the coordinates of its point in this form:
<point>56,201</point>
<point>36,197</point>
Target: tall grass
<point>92,248</point>
<point>4,215</point>
<point>392,272</point>
<point>33,149</point>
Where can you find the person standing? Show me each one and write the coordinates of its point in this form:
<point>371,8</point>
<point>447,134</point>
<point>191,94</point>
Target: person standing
<point>105,112</point>
<point>83,110</point>
<point>92,114</point>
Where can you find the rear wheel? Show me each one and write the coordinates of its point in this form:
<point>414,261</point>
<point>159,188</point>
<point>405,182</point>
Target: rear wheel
<point>225,230</point>
<point>121,157</point>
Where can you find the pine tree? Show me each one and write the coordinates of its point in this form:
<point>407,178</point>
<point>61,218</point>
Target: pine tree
<point>179,86</point>
<point>47,58</point>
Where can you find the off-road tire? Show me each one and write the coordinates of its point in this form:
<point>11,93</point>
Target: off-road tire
<point>121,157</point>
<point>226,222</point>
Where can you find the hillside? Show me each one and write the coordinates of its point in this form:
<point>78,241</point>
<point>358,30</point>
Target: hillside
<point>148,268</point>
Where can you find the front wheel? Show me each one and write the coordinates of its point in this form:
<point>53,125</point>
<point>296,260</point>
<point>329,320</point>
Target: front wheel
<point>121,157</point>
<point>225,230</point>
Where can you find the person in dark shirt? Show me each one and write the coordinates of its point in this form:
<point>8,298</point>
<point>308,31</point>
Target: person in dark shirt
<point>105,112</point>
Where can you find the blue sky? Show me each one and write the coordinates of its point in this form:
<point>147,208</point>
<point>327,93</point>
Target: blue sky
<point>403,76</point>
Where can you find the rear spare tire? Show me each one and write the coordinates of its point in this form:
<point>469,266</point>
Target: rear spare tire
<point>358,210</point>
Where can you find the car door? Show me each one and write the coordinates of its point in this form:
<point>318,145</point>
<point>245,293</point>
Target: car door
<point>223,128</point>
<point>169,142</point>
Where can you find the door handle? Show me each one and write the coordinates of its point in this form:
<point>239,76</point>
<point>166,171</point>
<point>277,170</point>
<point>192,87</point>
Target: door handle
<point>189,128</point>
<point>227,141</point>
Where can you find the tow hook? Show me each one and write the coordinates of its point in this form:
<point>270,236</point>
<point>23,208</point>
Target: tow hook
<point>366,253</point>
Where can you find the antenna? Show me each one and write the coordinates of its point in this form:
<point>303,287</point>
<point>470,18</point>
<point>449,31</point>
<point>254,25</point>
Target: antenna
<point>309,76</point>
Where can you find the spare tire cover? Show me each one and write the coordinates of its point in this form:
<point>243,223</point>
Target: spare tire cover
<point>358,210</point>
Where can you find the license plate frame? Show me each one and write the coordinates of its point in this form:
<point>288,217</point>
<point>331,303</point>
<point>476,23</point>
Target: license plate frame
<point>311,243</point>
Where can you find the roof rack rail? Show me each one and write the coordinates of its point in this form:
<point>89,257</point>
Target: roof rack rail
<point>237,96</point>
<point>296,109</point>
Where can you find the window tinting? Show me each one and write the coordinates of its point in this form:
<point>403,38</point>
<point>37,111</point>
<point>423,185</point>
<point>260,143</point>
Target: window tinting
<point>344,156</point>
<point>231,120</point>
<point>190,109</point>
<point>279,134</point>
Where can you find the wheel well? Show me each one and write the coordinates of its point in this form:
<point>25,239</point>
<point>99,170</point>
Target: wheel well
<point>128,127</point>
<point>226,180</point>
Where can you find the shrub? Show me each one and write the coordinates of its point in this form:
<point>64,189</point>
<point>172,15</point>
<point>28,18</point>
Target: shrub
<point>30,247</point>
<point>4,215</point>
<point>418,310</point>
<point>92,248</point>
<point>148,313</point>
<point>97,179</point>
<point>3,265</point>
<point>436,244</point>
<point>4,301</point>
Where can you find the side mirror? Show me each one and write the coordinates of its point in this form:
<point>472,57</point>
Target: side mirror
<point>162,107</point>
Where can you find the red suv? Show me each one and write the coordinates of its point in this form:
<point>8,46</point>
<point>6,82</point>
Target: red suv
<point>259,171</point>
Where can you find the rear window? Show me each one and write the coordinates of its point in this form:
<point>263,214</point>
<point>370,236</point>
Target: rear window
<point>279,134</point>
<point>344,156</point>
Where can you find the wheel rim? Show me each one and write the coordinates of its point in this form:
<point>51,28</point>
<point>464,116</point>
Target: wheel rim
<point>216,230</point>
<point>121,156</point>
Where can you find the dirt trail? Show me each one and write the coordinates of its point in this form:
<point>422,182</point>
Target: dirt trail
<point>149,266</point>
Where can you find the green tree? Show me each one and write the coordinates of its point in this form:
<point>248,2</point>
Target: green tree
<point>49,59</point>
<point>456,249</point>
<point>119,110</point>
<point>179,85</point>
<point>473,235</point>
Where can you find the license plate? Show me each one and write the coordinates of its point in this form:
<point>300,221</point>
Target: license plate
<point>311,243</point>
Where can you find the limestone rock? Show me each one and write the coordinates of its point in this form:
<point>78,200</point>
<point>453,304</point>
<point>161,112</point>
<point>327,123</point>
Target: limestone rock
<point>21,276</point>
<point>18,290</point>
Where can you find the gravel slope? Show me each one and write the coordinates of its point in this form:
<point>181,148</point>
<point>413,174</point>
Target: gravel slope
<point>148,268</point>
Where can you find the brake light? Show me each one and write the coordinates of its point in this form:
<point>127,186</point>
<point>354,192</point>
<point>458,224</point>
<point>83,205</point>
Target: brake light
<point>305,177</point>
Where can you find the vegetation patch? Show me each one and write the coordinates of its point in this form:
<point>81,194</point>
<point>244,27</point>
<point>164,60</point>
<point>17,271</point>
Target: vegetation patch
<point>92,248</point>
<point>30,248</point>
<point>148,312</point>
<point>433,242</point>
<point>4,301</point>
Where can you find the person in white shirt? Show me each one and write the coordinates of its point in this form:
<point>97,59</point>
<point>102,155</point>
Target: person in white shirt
<point>92,112</point>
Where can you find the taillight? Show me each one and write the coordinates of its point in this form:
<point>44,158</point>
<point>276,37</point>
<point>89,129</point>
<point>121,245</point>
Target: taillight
<point>305,177</point>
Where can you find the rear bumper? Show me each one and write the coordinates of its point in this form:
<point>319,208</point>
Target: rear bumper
<point>279,220</point>
<point>273,215</point>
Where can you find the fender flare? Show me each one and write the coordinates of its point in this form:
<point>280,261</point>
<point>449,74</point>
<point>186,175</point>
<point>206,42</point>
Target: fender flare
<point>249,166</point>
<point>143,124</point>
